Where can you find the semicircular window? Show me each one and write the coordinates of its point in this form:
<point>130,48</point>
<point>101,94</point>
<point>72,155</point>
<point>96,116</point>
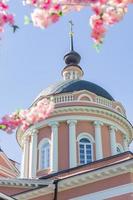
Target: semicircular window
<point>85,151</point>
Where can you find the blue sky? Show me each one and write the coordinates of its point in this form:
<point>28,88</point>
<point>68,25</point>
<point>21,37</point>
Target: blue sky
<point>32,58</point>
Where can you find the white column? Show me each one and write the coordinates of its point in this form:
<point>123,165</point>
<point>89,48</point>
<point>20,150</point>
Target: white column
<point>112,130</point>
<point>33,154</point>
<point>54,146</point>
<point>25,161</point>
<point>72,143</point>
<point>98,140</point>
<point>125,142</point>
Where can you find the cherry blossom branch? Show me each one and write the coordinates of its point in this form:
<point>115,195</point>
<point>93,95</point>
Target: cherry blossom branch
<point>28,117</point>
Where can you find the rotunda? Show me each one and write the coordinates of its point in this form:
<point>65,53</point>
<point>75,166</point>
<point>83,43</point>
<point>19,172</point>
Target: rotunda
<point>87,124</point>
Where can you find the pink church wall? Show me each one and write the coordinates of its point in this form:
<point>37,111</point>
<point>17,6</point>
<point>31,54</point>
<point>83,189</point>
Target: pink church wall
<point>63,146</point>
<point>44,133</point>
<point>87,127</point>
<point>12,190</point>
<point>105,141</point>
<point>4,163</point>
<point>119,137</point>
<point>95,187</point>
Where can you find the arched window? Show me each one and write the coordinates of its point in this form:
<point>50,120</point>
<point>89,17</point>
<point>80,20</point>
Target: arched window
<point>44,154</point>
<point>85,151</point>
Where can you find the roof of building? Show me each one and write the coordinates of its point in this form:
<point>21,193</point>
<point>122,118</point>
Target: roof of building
<point>117,162</point>
<point>75,85</point>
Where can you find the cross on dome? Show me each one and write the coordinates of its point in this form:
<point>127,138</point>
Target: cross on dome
<point>72,70</point>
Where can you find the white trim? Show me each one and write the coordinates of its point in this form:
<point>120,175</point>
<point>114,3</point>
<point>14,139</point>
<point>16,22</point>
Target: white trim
<point>24,182</point>
<point>120,147</point>
<point>85,154</point>
<point>79,118</point>
<point>85,95</point>
<point>9,163</point>
<point>109,193</point>
<point>4,196</point>
<point>43,141</point>
<point>54,146</point>
<point>7,173</point>
<point>124,126</point>
<point>112,131</point>
<point>98,140</point>
<point>78,180</point>
<point>119,109</point>
<point>72,143</point>
<point>33,153</point>
<point>86,135</point>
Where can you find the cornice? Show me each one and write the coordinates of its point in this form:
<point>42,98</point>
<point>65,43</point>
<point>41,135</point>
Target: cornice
<point>37,192</point>
<point>96,175</point>
<point>32,183</point>
<point>79,179</point>
<point>94,110</point>
<point>114,118</point>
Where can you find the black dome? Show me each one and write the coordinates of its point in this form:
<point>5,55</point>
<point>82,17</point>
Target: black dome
<point>72,58</point>
<point>75,85</point>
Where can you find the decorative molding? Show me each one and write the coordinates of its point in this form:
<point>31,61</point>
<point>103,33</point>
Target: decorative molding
<point>93,176</point>
<point>43,141</point>
<point>112,128</point>
<point>115,119</point>
<point>86,135</point>
<point>85,95</point>
<point>72,143</point>
<point>24,182</point>
<point>36,193</point>
<point>98,123</point>
<point>98,139</point>
<point>72,122</point>
<point>90,138</point>
<point>82,178</point>
<point>120,147</point>
<point>53,124</point>
<point>34,131</point>
<point>108,193</point>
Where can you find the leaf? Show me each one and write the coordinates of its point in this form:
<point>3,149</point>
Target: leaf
<point>2,126</point>
<point>27,20</point>
<point>97,47</point>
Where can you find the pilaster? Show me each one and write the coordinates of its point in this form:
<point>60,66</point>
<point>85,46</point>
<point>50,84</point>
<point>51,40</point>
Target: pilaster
<point>33,154</point>
<point>72,143</point>
<point>54,145</point>
<point>112,131</point>
<point>98,140</point>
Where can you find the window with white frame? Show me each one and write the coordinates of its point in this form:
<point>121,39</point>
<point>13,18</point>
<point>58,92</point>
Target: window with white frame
<point>85,151</point>
<point>44,155</point>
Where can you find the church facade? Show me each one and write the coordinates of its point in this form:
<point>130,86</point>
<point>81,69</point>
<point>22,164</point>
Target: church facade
<point>80,152</point>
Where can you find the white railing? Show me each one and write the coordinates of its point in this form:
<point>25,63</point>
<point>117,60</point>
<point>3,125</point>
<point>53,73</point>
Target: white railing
<point>63,98</point>
<point>70,98</point>
<point>103,101</point>
<point>98,100</point>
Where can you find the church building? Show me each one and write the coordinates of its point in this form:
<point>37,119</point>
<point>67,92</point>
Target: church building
<point>80,152</point>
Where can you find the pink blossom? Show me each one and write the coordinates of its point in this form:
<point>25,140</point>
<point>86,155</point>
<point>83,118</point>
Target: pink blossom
<point>28,117</point>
